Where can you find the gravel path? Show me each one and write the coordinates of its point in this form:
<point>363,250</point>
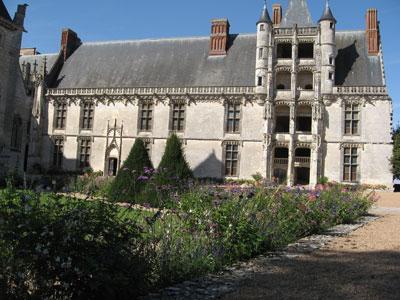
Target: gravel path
<point>362,265</point>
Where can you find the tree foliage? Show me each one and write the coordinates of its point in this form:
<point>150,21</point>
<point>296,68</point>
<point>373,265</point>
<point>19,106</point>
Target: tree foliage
<point>128,183</point>
<point>396,153</point>
<point>173,164</point>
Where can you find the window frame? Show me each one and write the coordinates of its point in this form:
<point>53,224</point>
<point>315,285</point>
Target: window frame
<point>149,117</point>
<point>352,121</point>
<point>88,153</point>
<point>236,127</point>
<point>229,159</point>
<point>87,115</point>
<point>16,134</point>
<point>354,168</point>
<point>181,117</point>
<point>63,117</point>
<point>58,155</point>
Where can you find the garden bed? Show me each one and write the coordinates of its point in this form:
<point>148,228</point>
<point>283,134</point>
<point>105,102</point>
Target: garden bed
<point>56,246</point>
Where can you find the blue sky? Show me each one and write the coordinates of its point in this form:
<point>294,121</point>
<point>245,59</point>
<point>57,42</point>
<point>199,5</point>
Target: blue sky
<point>96,20</point>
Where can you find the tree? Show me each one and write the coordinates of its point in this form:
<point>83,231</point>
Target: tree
<point>132,177</point>
<point>396,153</point>
<point>173,167</point>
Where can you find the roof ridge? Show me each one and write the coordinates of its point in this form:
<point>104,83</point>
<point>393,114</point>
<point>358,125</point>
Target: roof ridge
<point>158,39</point>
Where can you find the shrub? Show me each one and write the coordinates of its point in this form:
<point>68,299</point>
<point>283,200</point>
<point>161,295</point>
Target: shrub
<point>173,167</point>
<point>128,184</point>
<point>54,248</point>
<point>396,153</point>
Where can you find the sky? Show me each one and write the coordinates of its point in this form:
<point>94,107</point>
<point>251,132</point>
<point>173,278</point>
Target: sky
<point>105,20</point>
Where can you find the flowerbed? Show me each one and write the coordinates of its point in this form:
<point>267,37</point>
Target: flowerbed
<point>53,247</point>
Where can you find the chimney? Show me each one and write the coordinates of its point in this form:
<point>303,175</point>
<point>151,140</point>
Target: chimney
<point>276,14</point>
<point>219,37</point>
<point>372,33</point>
<point>69,42</point>
<point>19,16</point>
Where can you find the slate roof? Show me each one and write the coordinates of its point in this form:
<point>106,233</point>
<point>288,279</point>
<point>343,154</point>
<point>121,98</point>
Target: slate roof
<point>354,67</point>
<point>327,15</point>
<point>4,12</point>
<point>179,62</point>
<point>184,62</point>
<point>39,60</point>
<point>297,13</point>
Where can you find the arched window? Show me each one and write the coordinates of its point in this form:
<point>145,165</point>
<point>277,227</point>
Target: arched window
<point>16,133</point>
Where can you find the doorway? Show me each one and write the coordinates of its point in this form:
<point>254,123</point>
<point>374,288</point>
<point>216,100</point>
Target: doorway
<point>112,166</point>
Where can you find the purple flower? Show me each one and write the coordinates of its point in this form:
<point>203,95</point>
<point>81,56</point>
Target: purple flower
<point>143,178</point>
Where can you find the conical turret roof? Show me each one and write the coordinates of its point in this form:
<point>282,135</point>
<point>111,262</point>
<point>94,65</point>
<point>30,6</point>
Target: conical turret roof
<point>327,15</point>
<point>265,18</point>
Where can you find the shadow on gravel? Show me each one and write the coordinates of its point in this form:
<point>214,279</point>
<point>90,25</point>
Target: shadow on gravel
<point>326,275</point>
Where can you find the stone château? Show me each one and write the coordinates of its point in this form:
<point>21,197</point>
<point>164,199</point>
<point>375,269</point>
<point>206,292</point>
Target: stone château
<point>296,101</point>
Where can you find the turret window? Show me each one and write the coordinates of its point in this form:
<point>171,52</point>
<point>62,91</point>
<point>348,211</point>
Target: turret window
<point>331,76</point>
<point>260,53</point>
<point>262,27</point>
<point>331,60</point>
<point>259,81</point>
<point>332,25</point>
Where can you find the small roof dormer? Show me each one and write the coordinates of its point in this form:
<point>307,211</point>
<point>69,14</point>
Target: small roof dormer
<point>327,14</point>
<point>265,18</point>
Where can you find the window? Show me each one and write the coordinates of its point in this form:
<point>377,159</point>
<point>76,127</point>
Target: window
<point>331,60</point>
<point>58,152</point>
<point>85,145</point>
<point>259,81</point>
<point>60,115</point>
<point>350,165</point>
<point>306,50</point>
<point>233,118</point>
<point>146,117</point>
<point>178,117</point>
<point>284,50</point>
<point>87,113</point>
<point>262,27</point>
<point>332,25</point>
<point>352,119</point>
<point>16,134</point>
<point>330,75</point>
<point>231,160</point>
<point>260,53</point>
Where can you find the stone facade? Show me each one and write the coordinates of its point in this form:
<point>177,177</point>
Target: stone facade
<point>14,102</point>
<point>310,112</point>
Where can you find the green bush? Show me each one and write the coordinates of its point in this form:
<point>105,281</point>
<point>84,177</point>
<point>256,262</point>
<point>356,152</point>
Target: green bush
<point>128,183</point>
<point>173,168</point>
<point>54,248</point>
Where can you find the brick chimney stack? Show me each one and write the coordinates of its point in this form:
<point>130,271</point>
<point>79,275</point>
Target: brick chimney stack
<point>219,37</point>
<point>276,14</point>
<point>372,33</point>
<point>19,16</point>
<point>69,42</point>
